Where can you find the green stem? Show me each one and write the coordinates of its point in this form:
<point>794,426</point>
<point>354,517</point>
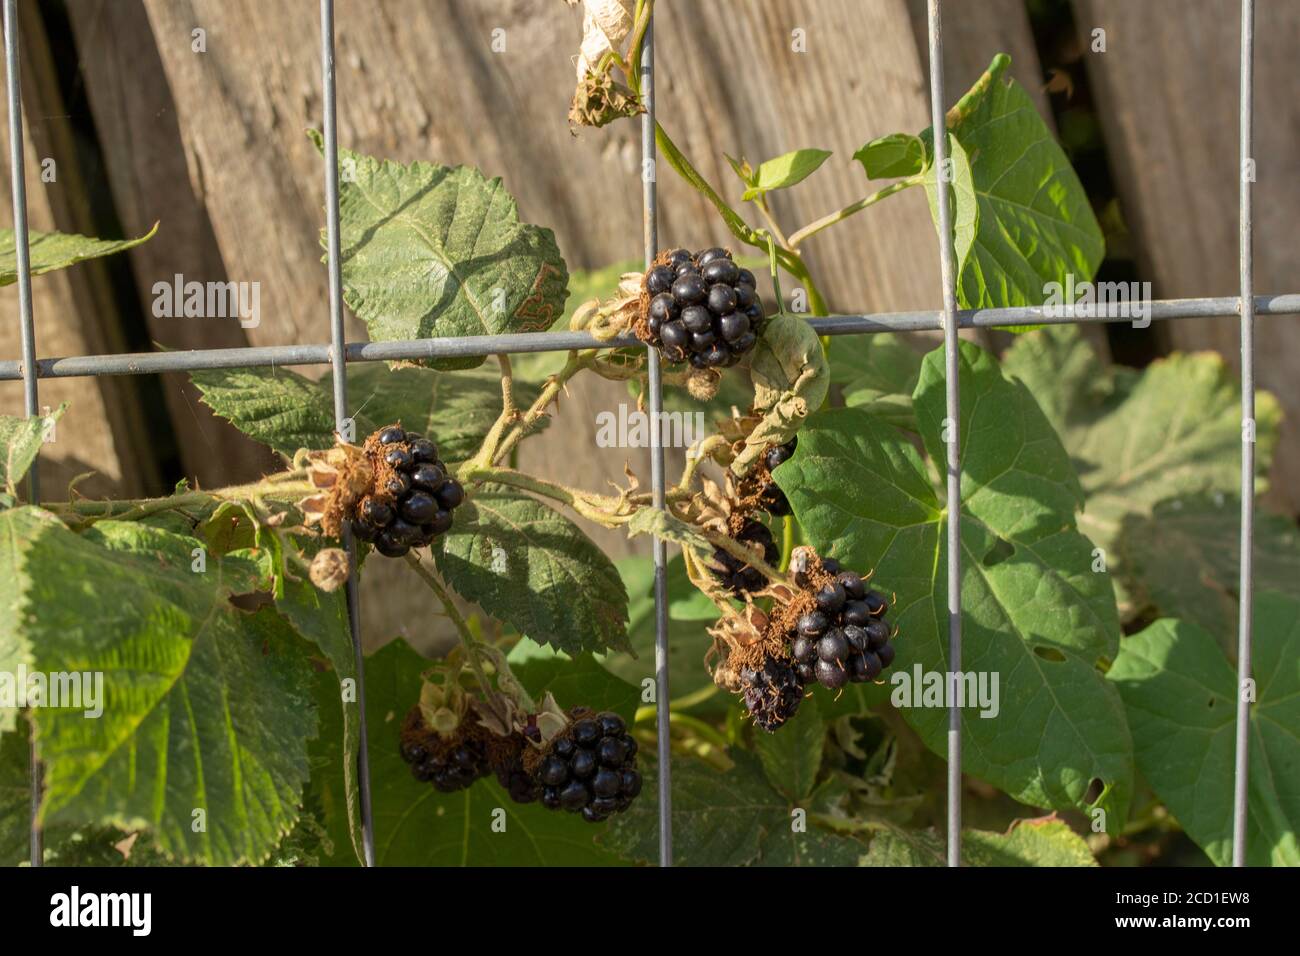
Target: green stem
<point>467,639</point>
<point>789,532</point>
<point>797,238</point>
<point>277,488</point>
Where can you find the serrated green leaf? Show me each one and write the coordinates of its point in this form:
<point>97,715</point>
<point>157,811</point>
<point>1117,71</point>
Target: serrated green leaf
<point>1034,613</point>
<point>50,251</point>
<point>888,157</point>
<point>433,251</point>
<point>535,570</point>
<point>792,756</point>
<point>725,819</point>
<point>323,619</point>
<point>15,796</point>
<point>20,443</point>
<point>1035,224</point>
<point>878,374</point>
<point>417,826</point>
<point>1184,560</point>
<point>1171,431</point>
<point>288,411</point>
<point>785,171</point>
<point>1180,693</point>
<point>205,707</point>
<point>1044,842</point>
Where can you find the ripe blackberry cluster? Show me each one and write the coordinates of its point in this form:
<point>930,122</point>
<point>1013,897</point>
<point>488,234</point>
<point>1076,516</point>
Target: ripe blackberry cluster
<point>591,767</point>
<point>737,576</point>
<point>450,764</point>
<point>771,693</point>
<point>773,499</point>
<point>845,638</point>
<point>413,498</point>
<point>703,308</point>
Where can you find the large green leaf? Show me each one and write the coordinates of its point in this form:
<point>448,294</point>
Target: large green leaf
<point>534,569</point>
<point>322,618</point>
<point>792,757</point>
<point>431,251</point>
<point>1180,693</point>
<point>50,251</point>
<point>288,411</point>
<point>1034,612</point>
<point>573,682</point>
<point>887,157</point>
<point>1171,431</point>
<point>20,443</point>
<point>417,826</point>
<point>1044,842</point>
<point>1184,560</point>
<point>206,708</point>
<point>726,819</point>
<point>1034,222</point>
<point>878,374</point>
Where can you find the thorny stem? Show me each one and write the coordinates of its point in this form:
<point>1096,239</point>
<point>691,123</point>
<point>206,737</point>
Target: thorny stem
<point>467,639</point>
<point>494,446</point>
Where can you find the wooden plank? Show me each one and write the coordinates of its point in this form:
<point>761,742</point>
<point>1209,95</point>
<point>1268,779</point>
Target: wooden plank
<point>1169,85</point>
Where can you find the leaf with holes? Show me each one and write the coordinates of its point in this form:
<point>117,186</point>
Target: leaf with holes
<point>1170,431</point>
<point>417,826</point>
<point>1180,693</point>
<point>204,707</point>
<point>1034,612</point>
<point>431,251</point>
<point>1033,222</point>
<point>50,251</point>
<point>725,819</point>
<point>288,411</point>
<point>534,569</point>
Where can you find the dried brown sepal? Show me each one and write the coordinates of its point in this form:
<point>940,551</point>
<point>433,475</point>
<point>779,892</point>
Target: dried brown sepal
<point>599,100</point>
<point>791,604</point>
<point>558,723</point>
<point>343,474</point>
<point>741,642</point>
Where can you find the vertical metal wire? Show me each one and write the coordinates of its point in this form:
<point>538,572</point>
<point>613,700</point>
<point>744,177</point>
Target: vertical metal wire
<point>651,226</point>
<point>17,174</point>
<point>1246,588</point>
<point>338,363</point>
<point>952,430</point>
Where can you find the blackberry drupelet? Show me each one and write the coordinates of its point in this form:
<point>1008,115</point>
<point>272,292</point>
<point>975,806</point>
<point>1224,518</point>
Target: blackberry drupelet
<point>737,576</point>
<point>590,768</point>
<point>771,693</point>
<point>412,503</point>
<point>450,763</point>
<point>703,308</point>
<point>773,499</point>
<point>846,637</point>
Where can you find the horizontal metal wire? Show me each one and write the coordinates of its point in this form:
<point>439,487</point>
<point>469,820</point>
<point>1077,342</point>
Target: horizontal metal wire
<point>473,346</point>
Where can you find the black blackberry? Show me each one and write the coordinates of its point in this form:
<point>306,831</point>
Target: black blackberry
<point>703,308</point>
<point>738,576</point>
<point>591,768</point>
<point>450,763</point>
<point>773,499</point>
<point>412,501</point>
<point>771,693</point>
<point>846,638</point>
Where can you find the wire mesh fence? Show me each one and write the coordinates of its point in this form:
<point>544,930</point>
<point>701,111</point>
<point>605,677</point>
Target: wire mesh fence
<point>949,319</point>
